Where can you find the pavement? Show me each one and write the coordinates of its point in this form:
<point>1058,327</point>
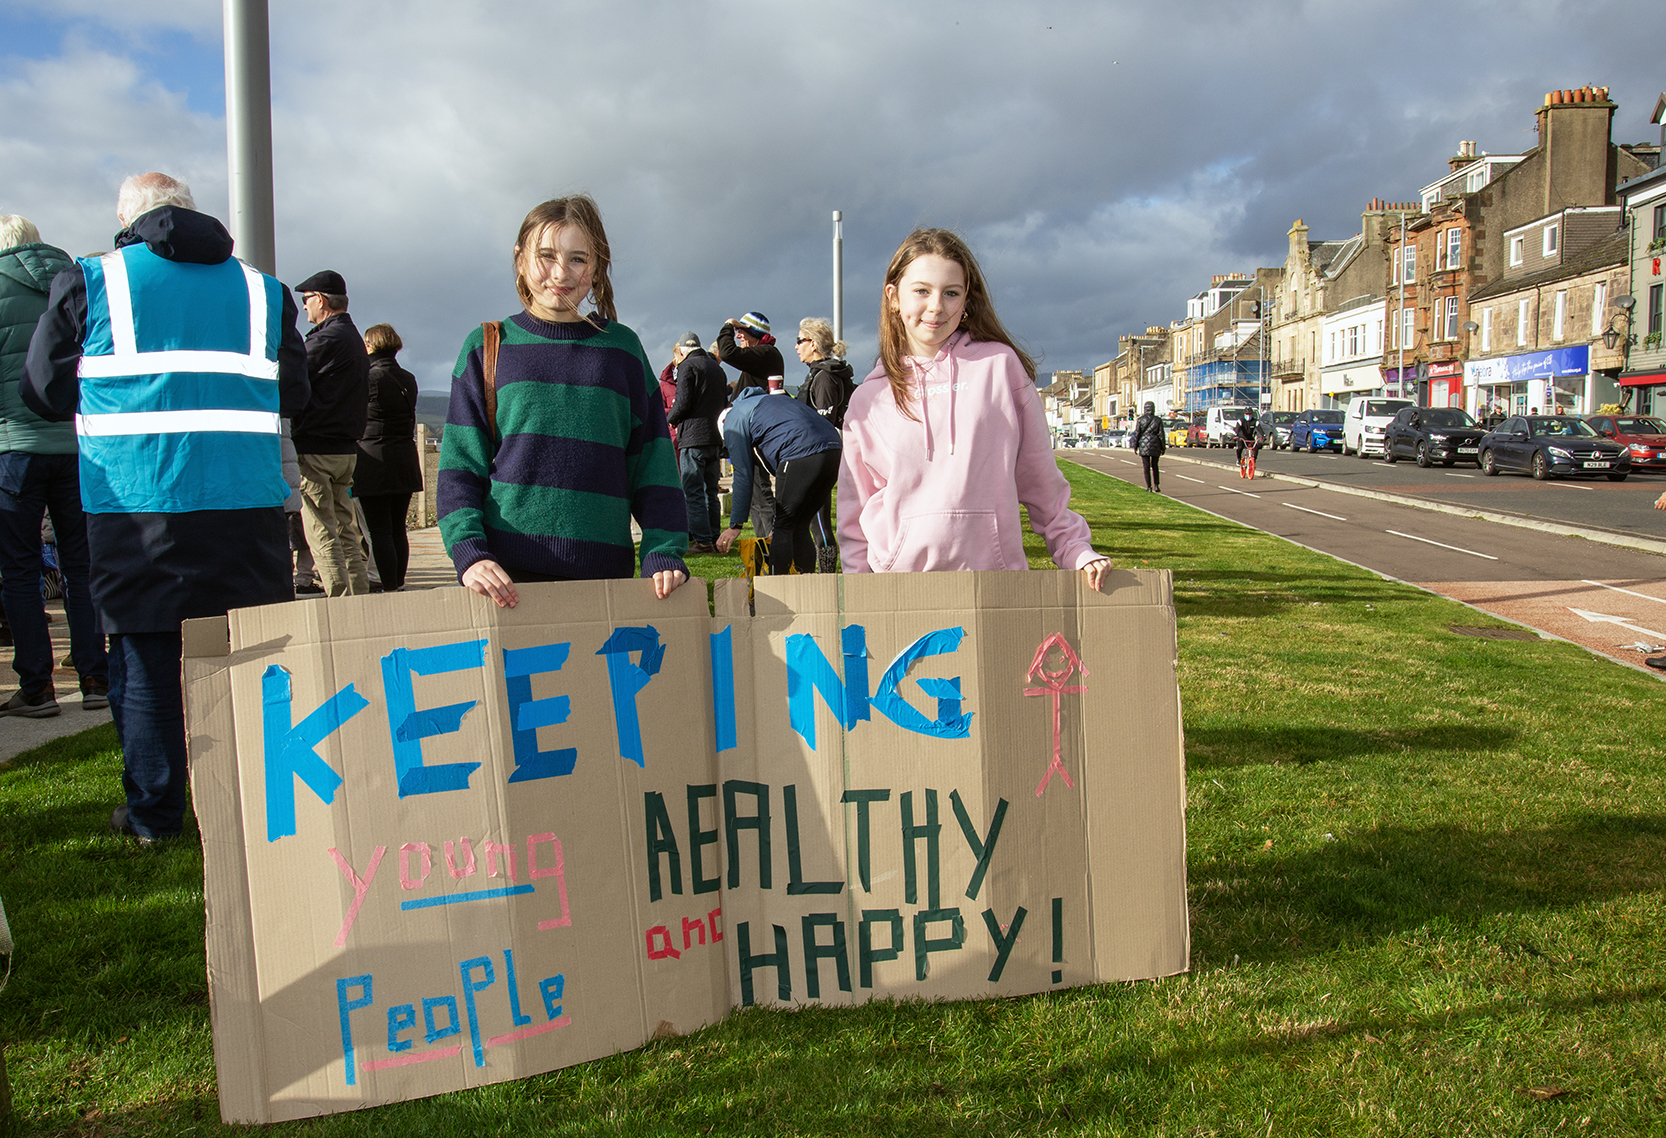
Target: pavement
<point>1596,587</point>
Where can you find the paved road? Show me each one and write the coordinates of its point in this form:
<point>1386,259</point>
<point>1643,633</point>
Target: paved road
<point>1617,507</point>
<point>1604,597</point>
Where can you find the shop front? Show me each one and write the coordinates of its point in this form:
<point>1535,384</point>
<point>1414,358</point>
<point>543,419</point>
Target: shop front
<point>1647,390</point>
<point>1337,385</point>
<point>1557,382</point>
<point>1401,383</point>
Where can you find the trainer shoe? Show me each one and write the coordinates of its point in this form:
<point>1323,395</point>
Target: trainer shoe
<point>42,705</point>
<point>122,826</point>
<point>95,693</point>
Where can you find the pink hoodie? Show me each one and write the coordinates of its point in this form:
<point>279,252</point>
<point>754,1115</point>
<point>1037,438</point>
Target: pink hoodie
<point>943,492</point>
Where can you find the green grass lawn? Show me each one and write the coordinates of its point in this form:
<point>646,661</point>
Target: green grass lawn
<point>1428,882</point>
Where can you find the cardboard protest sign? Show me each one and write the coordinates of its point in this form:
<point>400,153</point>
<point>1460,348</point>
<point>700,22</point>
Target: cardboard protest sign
<point>448,844</point>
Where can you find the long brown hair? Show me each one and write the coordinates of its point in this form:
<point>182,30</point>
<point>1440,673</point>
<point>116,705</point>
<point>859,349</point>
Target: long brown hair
<point>977,319</point>
<point>577,210</point>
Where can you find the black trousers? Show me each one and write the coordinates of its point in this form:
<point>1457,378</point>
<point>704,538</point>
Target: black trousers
<point>385,516</point>
<point>1153,477</point>
<point>802,490</point>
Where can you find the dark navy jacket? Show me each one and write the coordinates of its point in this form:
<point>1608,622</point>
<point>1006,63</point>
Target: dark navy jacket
<point>702,393</point>
<point>150,571</point>
<point>775,429</point>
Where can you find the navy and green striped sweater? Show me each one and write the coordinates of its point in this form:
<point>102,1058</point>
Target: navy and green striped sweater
<point>582,447</point>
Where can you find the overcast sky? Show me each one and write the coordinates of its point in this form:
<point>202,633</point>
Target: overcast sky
<point>1102,158</point>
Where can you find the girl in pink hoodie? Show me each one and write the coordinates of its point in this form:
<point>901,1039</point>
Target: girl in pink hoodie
<point>947,435</point>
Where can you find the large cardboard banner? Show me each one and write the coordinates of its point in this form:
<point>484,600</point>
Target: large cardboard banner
<point>448,844</point>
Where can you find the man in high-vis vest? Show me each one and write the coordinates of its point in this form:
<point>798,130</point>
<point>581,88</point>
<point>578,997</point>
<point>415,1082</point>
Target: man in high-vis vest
<point>176,362</point>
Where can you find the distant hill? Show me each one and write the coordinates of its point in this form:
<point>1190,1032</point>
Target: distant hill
<point>431,407</point>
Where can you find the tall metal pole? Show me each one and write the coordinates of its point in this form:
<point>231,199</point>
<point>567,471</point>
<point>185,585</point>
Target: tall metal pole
<point>838,275</point>
<point>249,132</point>
<point>1400,316</point>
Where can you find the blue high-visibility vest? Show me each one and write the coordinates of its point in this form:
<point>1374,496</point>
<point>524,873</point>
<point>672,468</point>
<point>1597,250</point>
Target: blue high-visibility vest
<point>179,386</point>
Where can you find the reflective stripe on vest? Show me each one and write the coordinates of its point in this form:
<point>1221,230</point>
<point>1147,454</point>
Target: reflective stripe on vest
<point>176,422</point>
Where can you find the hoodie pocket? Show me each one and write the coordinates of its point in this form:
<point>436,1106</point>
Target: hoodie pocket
<point>946,540</point>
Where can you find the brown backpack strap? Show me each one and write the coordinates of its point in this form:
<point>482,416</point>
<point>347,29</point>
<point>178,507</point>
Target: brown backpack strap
<point>494,337</point>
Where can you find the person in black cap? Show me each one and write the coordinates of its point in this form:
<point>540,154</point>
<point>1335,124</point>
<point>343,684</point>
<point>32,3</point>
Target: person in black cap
<point>745,344</point>
<point>702,394</point>
<point>327,434</point>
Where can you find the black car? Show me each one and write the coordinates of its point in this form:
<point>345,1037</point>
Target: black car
<point>1431,435</point>
<point>1273,428</point>
<point>1316,430</point>
<point>1549,446</point>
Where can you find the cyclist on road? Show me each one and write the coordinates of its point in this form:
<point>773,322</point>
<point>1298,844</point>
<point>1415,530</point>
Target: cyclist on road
<point>1246,437</point>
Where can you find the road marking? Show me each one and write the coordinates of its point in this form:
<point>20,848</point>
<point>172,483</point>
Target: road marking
<point>1571,486</point>
<point>1128,462</point>
<point>1451,475</point>
<point>1442,544</point>
<point>1245,493</point>
<point>1623,621</point>
<point>1378,462</point>
<point>1617,589</point>
<point>1321,513</point>
<point>1189,478</point>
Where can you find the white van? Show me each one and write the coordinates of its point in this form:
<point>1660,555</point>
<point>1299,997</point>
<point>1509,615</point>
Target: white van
<point>1362,426</point>
<point>1222,422</point>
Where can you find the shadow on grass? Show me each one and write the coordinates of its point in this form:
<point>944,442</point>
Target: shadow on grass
<point>1388,881</point>
<point>1238,746</point>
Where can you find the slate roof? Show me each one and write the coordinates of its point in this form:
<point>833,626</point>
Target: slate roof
<point>1610,251</point>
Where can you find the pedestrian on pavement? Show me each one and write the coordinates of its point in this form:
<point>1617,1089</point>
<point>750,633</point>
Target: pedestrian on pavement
<point>947,436</point>
<point>745,344</point>
<point>181,471</point>
<point>556,436</point>
<point>782,435</point>
<point>327,434</point>
<point>38,476</point>
<point>702,394</point>
<point>826,391</point>
<point>388,470</point>
<point>1149,442</point>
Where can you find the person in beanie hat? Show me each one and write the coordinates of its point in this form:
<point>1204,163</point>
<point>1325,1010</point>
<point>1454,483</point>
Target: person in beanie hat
<point>702,394</point>
<point>327,434</point>
<point>745,344</point>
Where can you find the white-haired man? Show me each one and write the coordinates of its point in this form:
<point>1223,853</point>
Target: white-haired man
<point>37,478</point>
<point>175,361</point>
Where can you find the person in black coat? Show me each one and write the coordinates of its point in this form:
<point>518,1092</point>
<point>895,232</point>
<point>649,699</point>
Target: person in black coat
<point>745,344</point>
<point>702,394</point>
<point>826,391</point>
<point>388,470</point>
<point>1149,441</point>
<point>327,433</point>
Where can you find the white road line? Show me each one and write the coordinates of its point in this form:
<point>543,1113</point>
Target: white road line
<point>1321,513</point>
<point>1245,493</point>
<point>1442,544</point>
<point>1127,462</point>
<point>1375,462</point>
<point>1571,486</point>
<point>1628,592</point>
<point>1451,475</point>
<point>1189,478</point>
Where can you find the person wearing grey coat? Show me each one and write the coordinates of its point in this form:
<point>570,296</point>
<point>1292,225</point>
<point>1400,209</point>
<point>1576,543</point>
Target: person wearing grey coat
<point>1149,441</point>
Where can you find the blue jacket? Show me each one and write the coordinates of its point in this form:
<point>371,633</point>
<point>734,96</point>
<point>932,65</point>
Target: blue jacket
<point>208,533</point>
<point>776,429</point>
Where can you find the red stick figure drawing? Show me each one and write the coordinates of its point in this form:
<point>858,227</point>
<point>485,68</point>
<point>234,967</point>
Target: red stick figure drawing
<point>1055,685</point>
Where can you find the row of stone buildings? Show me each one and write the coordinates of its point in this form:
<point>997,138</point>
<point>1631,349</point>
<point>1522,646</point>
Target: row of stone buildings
<point>1516,282</point>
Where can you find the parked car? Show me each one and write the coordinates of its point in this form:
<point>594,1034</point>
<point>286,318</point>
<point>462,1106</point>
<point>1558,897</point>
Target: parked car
<point>1551,446</point>
<point>1176,428</point>
<point>1222,424</point>
<point>1114,439</point>
<point>1316,430</point>
<point>1644,435</point>
<point>1363,425</point>
<point>1273,428</point>
<point>1431,435</point>
<point>1197,433</point>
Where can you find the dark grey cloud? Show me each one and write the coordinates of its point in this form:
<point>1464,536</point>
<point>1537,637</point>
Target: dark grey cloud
<point>1104,159</point>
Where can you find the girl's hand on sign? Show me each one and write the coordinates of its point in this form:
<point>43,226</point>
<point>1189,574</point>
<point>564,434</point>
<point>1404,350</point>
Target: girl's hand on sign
<point>489,580</point>
<point>1099,573</point>
<point>666,582</point>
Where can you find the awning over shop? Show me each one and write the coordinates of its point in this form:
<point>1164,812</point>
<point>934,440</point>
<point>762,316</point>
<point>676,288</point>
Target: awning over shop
<point>1642,378</point>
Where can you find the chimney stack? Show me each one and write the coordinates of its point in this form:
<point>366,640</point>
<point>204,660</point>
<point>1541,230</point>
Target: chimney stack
<point>1575,135</point>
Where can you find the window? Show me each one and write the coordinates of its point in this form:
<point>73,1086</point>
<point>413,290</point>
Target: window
<point>1454,248</point>
<point>1559,319</point>
<point>1406,329</point>
<point>1516,244</point>
<point>1330,348</point>
<point>1521,323</point>
<point>1451,318</point>
<point>1659,222</point>
<point>1656,294</point>
<point>1408,263</point>
<point>1553,233</point>
<point>1376,344</point>
<point>1599,301</point>
<point>1486,329</point>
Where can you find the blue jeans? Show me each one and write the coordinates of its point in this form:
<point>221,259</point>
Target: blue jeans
<point>698,467</point>
<point>147,701</point>
<point>31,486</point>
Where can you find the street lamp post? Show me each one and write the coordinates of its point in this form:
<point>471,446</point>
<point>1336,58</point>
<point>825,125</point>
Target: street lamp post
<point>838,275</point>
<point>249,132</point>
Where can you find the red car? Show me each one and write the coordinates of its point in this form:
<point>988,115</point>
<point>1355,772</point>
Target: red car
<point>1197,434</point>
<point>1645,435</point>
